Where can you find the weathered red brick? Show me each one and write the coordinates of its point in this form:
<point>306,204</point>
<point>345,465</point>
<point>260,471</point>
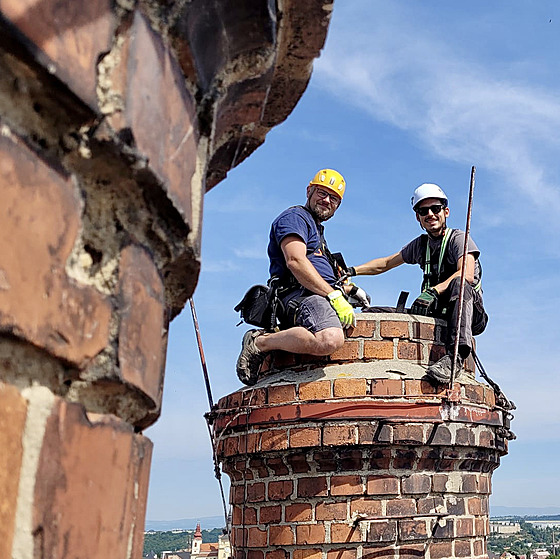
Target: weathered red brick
<point>464,527</point>
<point>348,352</point>
<point>401,507</point>
<point>317,390</point>
<point>404,459</point>
<point>13,411</point>
<point>344,533</point>
<point>339,434</point>
<point>363,329</point>
<point>349,387</point>
<point>347,485</point>
<point>409,434</point>
<point>163,120</point>
<point>305,436</point>
<point>422,331</point>
<point>462,548</point>
<point>376,552</point>
<point>310,534</point>
<point>443,529</point>
<point>412,530</point>
<point>363,505</point>
<point>331,511</point>
<point>378,350</point>
<point>298,512</point>
<point>74,54</point>
<point>107,466</point>
<point>416,483</point>
<point>350,459</point>
<point>258,467</point>
<point>435,352</point>
<point>380,459</point>
<point>142,330</point>
<point>270,514</point>
<point>298,463</point>
<point>280,394</point>
<point>382,531</point>
<point>39,301</point>
<point>441,550</point>
<point>411,351</point>
<point>474,505</point>
<point>274,439</point>
<point>277,554</point>
<point>412,551</point>
<point>382,485</point>
<point>255,492</point>
<point>312,486</point>
<point>280,535</point>
<point>393,329</point>
<point>280,490</point>
<point>277,465</point>
<point>256,537</point>
<point>430,505</point>
<point>479,547</point>
<point>307,553</point>
<point>386,386</point>
<point>441,435</point>
<point>254,554</point>
<point>342,554</point>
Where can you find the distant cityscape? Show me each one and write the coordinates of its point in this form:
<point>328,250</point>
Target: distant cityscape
<point>511,536</point>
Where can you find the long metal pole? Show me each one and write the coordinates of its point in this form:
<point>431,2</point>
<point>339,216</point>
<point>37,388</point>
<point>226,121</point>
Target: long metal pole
<point>463,279</point>
<point>202,358</point>
<point>217,471</point>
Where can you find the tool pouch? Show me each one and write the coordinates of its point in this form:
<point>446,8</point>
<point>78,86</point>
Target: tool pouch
<point>261,307</point>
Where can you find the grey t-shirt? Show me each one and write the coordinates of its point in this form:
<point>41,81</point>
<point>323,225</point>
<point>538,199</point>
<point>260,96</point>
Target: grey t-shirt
<point>413,252</point>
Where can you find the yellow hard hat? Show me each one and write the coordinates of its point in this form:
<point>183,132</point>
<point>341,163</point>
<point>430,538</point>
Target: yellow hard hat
<point>331,179</point>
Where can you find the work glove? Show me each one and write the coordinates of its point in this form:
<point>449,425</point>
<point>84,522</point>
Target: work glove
<point>357,297</point>
<point>351,271</point>
<point>425,303</point>
<point>342,307</point>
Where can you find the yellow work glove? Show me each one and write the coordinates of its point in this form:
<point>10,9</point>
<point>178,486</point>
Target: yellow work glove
<point>342,307</point>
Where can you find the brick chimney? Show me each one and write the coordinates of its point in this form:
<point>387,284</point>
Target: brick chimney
<point>116,116</point>
<point>357,456</point>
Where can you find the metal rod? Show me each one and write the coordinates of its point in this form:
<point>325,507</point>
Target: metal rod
<point>202,358</point>
<point>463,278</point>
<point>217,471</point>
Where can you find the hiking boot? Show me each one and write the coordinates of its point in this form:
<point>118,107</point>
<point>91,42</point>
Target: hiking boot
<point>250,359</point>
<point>440,371</point>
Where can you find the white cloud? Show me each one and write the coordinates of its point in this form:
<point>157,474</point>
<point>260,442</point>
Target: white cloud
<point>458,108</point>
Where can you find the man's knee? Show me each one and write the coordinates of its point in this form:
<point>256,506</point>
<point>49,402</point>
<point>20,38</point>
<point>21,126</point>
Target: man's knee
<point>329,340</point>
<point>454,289</point>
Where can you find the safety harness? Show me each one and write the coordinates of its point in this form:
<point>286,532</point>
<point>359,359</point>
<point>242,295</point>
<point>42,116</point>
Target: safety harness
<point>434,275</point>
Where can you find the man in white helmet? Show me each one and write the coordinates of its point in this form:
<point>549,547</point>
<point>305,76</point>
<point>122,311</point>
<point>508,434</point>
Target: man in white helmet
<point>439,252</point>
<point>308,278</point>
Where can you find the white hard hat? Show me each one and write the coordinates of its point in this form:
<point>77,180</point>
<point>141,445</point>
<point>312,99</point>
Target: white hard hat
<point>427,190</point>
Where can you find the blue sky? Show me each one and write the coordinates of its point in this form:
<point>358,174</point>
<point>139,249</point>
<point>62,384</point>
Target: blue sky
<point>405,92</point>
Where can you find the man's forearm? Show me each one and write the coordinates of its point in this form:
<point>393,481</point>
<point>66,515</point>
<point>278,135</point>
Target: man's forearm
<point>379,265</point>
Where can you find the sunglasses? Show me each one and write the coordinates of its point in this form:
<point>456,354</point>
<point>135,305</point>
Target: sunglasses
<point>436,208</point>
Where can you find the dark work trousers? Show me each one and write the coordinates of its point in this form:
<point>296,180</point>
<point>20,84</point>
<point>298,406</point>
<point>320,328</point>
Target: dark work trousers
<point>473,319</point>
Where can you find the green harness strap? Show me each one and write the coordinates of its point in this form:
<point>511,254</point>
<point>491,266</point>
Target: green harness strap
<point>427,263</point>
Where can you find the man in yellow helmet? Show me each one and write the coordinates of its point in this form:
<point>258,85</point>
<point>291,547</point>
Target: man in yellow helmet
<point>300,258</point>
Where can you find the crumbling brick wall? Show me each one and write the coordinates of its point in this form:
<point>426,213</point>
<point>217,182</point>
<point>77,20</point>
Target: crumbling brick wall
<point>357,455</point>
<point>116,116</point>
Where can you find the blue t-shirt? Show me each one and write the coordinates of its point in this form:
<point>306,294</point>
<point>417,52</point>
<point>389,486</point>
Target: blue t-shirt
<point>298,221</point>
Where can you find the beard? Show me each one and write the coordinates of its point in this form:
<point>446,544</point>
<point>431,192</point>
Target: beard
<point>320,213</point>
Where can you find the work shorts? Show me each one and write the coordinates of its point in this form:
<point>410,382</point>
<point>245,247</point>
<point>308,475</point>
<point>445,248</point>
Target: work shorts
<point>315,313</point>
